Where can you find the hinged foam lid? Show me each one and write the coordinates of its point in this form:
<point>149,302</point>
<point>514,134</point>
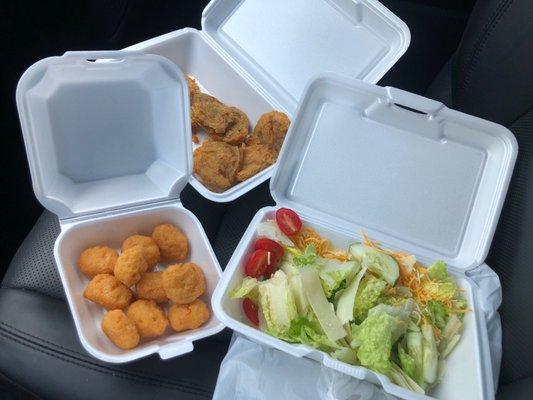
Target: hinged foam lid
<point>282,44</point>
<point>430,180</point>
<point>105,130</point>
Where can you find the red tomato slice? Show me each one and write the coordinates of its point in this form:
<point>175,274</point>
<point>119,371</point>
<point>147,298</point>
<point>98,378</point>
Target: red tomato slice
<point>272,265</point>
<point>257,263</point>
<point>251,311</point>
<point>269,245</point>
<point>288,221</point>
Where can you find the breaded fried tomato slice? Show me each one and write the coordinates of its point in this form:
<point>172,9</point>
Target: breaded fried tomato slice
<point>216,165</point>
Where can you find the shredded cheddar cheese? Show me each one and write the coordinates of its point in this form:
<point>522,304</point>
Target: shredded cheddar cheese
<point>308,236</point>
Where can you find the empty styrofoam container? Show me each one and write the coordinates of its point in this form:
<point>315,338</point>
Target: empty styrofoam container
<point>108,140</point>
<point>258,55</point>
<point>415,176</point>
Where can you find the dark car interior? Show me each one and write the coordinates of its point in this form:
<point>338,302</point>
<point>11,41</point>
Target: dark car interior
<point>474,56</point>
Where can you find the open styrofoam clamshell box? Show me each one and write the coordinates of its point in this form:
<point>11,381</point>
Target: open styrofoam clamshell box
<point>258,55</point>
<point>415,176</point>
<point>108,140</point>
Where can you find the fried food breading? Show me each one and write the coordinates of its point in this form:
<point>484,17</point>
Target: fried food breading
<point>256,158</point>
<point>209,113</point>
<point>184,283</point>
<point>238,128</point>
<point>270,130</point>
<point>149,247</point>
<point>172,242</point>
<point>216,165</point>
<point>108,292</point>
<point>188,316</point>
<point>130,265</point>
<point>148,317</point>
<point>120,330</point>
<point>150,287</point>
<point>97,260</point>
<point>193,85</point>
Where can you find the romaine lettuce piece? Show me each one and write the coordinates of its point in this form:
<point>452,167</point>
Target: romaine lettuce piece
<point>269,229</point>
<point>346,300</point>
<point>438,271</point>
<point>401,313</point>
<point>334,274</point>
<point>399,377</point>
<point>413,342</point>
<point>441,290</point>
<point>247,289</point>
<point>368,296</point>
<point>346,355</point>
<point>373,340</point>
<point>309,332</point>
<point>436,312</point>
<point>407,362</point>
<point>431,355</point>
<point>322,308</point>
<point>450,335</point>
<point>378,262</point>
<point>295,283</point>
<point>277,302</point>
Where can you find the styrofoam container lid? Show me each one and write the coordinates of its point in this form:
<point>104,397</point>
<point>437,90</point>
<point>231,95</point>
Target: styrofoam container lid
<point>411,172</point>
<point>105,130</point>
<point>282,44</point>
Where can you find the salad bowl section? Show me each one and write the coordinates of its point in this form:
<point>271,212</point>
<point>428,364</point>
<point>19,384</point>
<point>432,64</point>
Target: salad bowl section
<point>357,306</point>
<point>396,307</point>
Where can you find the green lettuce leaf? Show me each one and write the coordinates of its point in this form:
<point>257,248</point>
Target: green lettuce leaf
<point>368,295</point>
<point>438,271</point>
<point>373,339</point>
<point>307,331</point>
<point>436,312</point>
<point>335,274</point>
<point>277,302</point>
<point>247,289</point>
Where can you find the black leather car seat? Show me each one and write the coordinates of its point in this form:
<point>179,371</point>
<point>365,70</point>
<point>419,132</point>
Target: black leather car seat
<point>489,76</point>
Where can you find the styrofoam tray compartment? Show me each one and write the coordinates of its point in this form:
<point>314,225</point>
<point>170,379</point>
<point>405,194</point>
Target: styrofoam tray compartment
<point>258,55</point>
<point>468,375</point>
<point>415,176</point>
<point>108,140</point>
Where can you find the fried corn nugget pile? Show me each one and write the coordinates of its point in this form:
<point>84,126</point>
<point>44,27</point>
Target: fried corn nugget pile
<point>232,154</point>
<point>142,314</point>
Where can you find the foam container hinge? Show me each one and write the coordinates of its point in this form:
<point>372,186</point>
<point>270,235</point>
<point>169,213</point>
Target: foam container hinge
<point>258,55</point>
<point>416,176</point>
<point>108,140</point>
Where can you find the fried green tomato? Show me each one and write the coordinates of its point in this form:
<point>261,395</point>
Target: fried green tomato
<point>270,130</point>
<point>216,165</point>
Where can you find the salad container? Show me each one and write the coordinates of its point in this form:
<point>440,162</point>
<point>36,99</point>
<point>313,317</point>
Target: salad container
<point>415,176</point>
<point>258,55</point>
<point>108,140</point>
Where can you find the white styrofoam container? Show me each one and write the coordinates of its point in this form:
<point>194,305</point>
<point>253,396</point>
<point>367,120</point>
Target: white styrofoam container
<point>258,55</point>
<point>109,149</point>
<point>427,180</point>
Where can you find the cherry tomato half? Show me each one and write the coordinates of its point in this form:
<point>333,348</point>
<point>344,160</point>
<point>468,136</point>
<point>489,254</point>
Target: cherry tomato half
<point>257,263</point>
<point>269,245</point>
<point>288,221</point>
<point>251,311</point>
<point>272,265</point>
